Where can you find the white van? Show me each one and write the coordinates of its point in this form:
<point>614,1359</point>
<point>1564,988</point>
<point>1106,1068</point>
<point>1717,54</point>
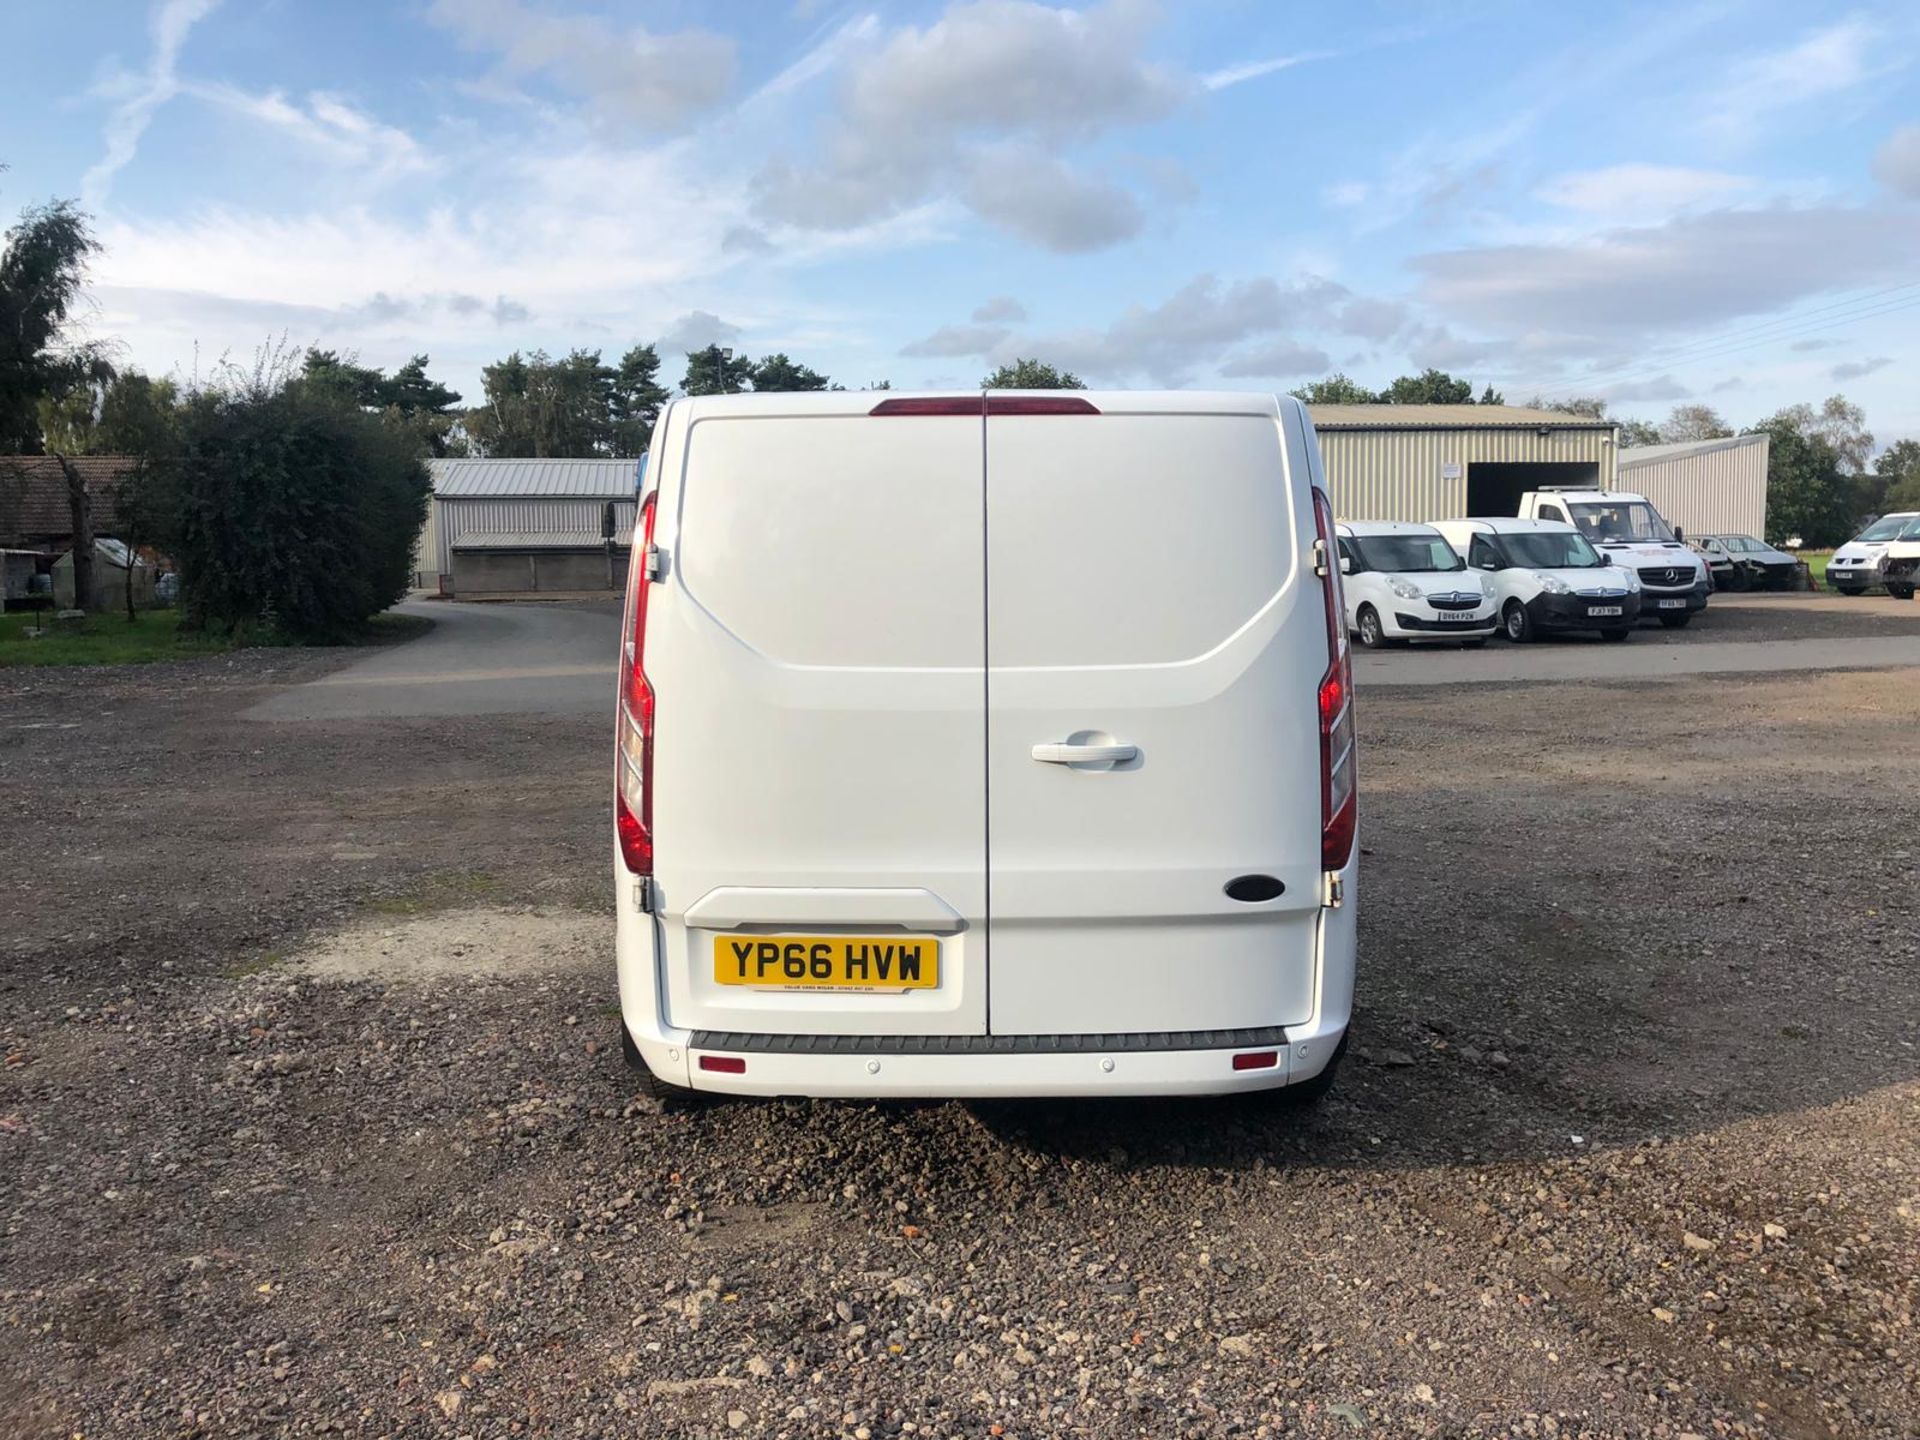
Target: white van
<point>1862,562</point>
<point>1403,582</point>
<point>1630,533</point>
<point>1545,577</point>
<point>985,745</point>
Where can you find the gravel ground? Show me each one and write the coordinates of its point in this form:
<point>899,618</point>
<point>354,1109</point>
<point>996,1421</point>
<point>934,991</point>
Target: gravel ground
<point>1627,1145</point>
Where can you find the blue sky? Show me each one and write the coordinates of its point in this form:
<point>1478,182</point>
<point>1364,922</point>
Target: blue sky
<point>1716,202</point>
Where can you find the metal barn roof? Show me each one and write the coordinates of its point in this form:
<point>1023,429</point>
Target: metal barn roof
<point>534,479</point>
<point>1683,449</point>
<point>1447,417</point>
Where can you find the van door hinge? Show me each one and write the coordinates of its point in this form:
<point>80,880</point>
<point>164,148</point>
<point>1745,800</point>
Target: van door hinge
<point>1335,892</point>
<point>643,896</point>
<point>1320,558</point>
<point>656,563</point>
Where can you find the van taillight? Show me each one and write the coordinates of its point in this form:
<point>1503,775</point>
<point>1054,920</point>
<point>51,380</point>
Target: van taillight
<point>1339,802</point>
<point>633,766</point>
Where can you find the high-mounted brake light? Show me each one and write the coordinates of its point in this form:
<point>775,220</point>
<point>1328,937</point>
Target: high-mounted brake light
<point>985,405</point>
<point>1040,405</point>
<point>633,745</point>
<point>1339,800</point>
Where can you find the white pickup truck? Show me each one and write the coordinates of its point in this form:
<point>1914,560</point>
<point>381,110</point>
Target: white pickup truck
<point>1629,532</point>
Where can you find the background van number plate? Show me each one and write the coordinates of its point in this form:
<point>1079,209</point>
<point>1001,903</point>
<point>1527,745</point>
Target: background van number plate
<point>827,962</point>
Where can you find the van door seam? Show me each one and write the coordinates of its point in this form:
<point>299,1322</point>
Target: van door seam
<point>986,736</point>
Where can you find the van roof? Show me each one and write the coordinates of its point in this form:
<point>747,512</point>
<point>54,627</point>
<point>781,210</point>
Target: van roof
<point>1107,402</point>
<point>1360,529</point>
<point>1507,524</point>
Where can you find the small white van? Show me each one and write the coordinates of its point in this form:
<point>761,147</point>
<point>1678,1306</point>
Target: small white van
<point>1545,577</point>
<point>985,745</point>
<point>1862,562</point>
<point>1404,582</point>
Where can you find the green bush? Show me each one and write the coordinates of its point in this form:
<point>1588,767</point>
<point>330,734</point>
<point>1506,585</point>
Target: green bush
<point>297,511</point>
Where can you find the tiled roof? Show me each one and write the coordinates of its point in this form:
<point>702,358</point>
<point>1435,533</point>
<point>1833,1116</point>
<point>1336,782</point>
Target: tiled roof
<point>33,496</point>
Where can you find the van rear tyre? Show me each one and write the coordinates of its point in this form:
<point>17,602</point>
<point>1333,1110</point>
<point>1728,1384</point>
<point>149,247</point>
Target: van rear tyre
<point>1899,591</point>
<point>664,1092</point>
<point>1675,622</point>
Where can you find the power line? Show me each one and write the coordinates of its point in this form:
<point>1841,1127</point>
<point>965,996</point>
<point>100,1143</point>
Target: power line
<point>1861,307</point>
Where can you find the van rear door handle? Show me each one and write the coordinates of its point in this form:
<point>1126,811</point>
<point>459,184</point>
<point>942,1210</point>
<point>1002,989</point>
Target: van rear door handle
<point>1085,754</point>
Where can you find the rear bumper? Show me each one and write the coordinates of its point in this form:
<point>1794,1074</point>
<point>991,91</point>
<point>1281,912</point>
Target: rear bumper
<point>888,1069</point>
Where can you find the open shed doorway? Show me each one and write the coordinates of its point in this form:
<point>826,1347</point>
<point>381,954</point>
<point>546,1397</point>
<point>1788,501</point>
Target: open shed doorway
<point>1494,487</point>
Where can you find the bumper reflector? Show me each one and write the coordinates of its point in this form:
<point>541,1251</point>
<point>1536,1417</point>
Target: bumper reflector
<point>1257,1060</point>
<point>724,1064</point>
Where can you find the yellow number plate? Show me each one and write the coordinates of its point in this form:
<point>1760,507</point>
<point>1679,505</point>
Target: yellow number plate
<point>827,962</point>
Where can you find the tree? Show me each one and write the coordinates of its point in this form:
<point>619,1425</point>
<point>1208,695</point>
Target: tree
<point>1638,432</point>
<point>1031,375</point>
<point>539,406</point>
<point>356,384</point>
<point>1899,470</point>
<point>716,371</point>
<point>1491,396</point>
<point>43,269</point>
<point>1842,424</point>
<point>1693,422</point>
<point>139,421</point>
<point>410,391</point>
<point>1807,495</point>
<point>637,396</point>
<point>1429,387</point>
<point>777,372</point>
<point>1336,389</point>
<point>1589,407</point>
<point>297,508</point>
<point>422,404</point>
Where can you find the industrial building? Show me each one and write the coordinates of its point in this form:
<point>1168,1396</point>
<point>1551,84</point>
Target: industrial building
<point>499,527</point>
<point>1432,462</point>
<point>1706,487</point>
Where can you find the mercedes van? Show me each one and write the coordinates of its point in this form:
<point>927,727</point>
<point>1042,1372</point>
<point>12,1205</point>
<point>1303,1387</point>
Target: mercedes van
<point>992,744</point>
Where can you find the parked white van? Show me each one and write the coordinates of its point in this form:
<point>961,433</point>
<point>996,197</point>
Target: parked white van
<point>1861,562</point>
<point>985,744</point>
<point>1546,577</point>
<point>1404,582</point>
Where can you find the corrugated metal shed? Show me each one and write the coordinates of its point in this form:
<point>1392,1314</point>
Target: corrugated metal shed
<point>1447,417</point>
<point>1707,487</point>
<point>534,479</point>
<point>559,499</point>
<point>542,540</point>
<point>1412,462</point>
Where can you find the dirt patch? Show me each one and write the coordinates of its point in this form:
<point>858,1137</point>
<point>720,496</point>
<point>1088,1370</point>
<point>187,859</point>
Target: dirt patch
<point>460,944</point>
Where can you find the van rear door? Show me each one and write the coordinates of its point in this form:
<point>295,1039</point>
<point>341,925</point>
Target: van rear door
<point>1155,641</point>
<point>816,647</point>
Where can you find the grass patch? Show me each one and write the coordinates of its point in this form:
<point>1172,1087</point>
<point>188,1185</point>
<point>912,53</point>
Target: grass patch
<point>1816,564</point>
<point>241,969</point>
<point>102,639</point>
<point>443,890</point>
<point>156,635</point>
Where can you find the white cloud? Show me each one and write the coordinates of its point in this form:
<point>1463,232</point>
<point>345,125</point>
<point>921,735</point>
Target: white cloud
<point>957,340</point>
<point>137,97</point>
<point>1857,369</point>
<point>939,109</point>
<point>999,309</point>
<point>1254,69</point>
<point>328,125</point>
<point>630,76</point>
<point>1035,197</point>
<point>696,330</point>
<point>1279,360</point>
<point>1249,327</point>
<point>1663,387</point>
<point>1639,192</point>
<point>1827,62</point>
<point>1896,164</point>
<point>1693,271</point>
